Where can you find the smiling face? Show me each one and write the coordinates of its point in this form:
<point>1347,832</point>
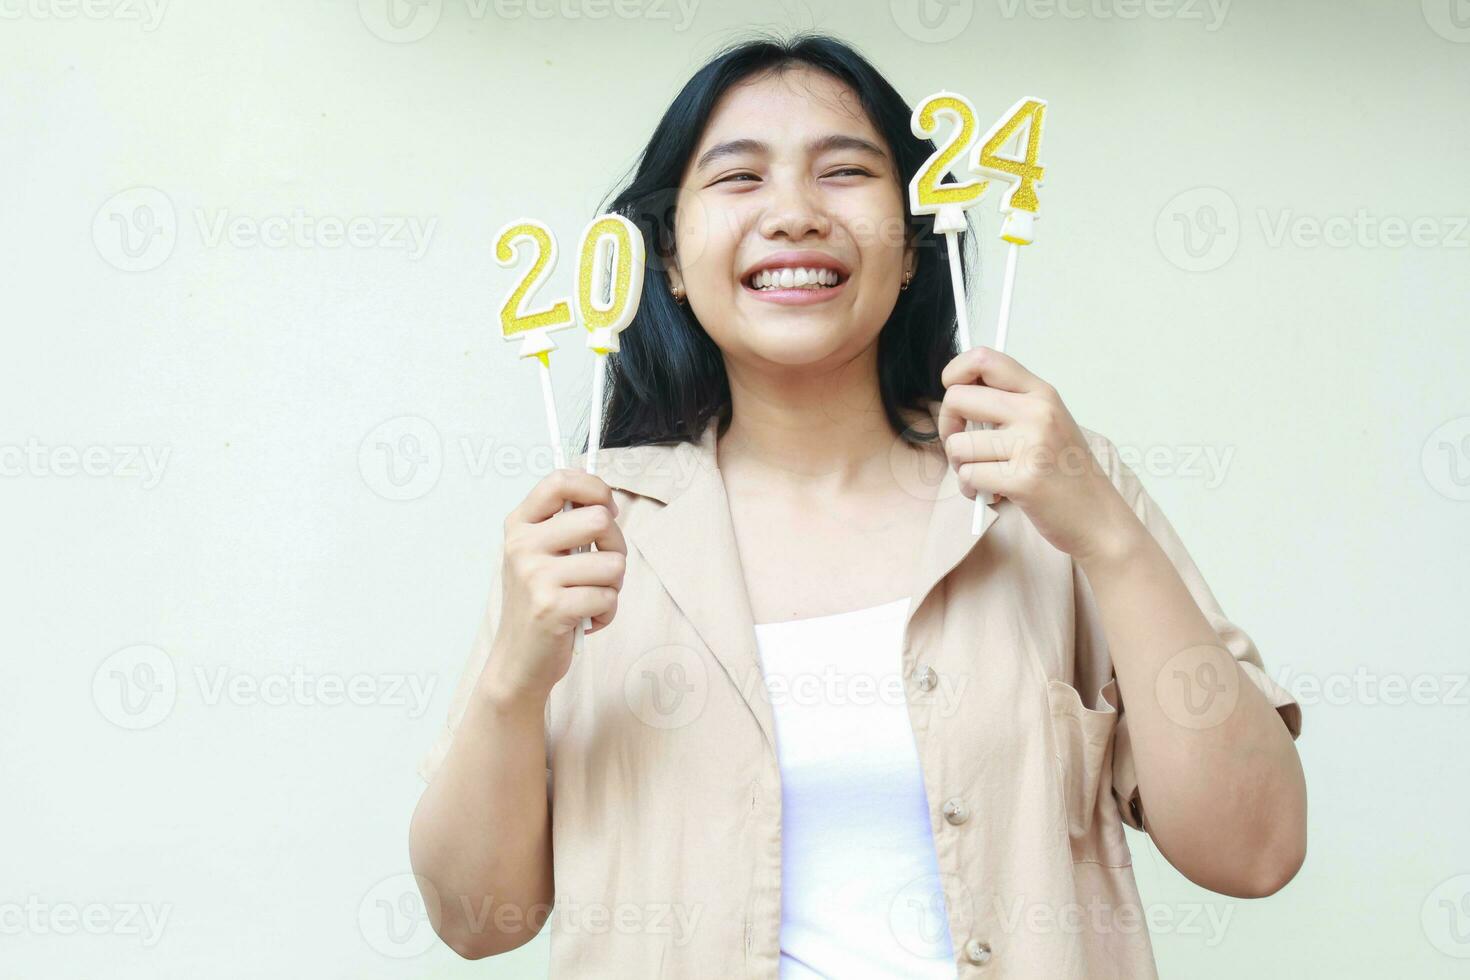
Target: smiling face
<point>790,235</point>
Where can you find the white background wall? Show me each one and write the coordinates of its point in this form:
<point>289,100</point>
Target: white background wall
<point>321,417</point>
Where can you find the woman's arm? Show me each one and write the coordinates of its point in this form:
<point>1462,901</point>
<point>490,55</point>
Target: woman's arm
<point>1226,797</point>
<point>480,838</point>
<point>481,833</point>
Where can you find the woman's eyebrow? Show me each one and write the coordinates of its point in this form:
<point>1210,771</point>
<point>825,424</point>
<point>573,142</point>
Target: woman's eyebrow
<point>822,144</point>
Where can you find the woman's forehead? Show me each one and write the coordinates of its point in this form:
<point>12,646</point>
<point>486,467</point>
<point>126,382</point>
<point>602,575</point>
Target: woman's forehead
<point>786,109</point>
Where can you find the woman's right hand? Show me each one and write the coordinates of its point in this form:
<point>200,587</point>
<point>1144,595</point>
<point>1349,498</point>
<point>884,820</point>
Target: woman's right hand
<point>545,589</point>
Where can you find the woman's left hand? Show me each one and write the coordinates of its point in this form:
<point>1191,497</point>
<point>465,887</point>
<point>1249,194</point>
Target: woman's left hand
<point>1036,455</point>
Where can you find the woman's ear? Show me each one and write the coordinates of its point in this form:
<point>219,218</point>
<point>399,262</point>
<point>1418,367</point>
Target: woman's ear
<point>910,261</point>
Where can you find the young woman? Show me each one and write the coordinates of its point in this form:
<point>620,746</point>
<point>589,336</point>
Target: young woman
<point>820,728</point>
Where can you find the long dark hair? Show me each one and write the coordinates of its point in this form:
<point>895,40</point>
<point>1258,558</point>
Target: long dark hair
<point>668,379</point>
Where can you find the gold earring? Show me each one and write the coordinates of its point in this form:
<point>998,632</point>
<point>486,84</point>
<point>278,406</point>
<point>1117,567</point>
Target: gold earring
<point>678,294</point>
<point>907,278</point>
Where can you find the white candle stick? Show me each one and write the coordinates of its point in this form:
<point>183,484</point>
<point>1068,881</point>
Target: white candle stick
<point>1019,204</point>
<point>947,202</point>
<point>533,328</point>
<point>621,282</point>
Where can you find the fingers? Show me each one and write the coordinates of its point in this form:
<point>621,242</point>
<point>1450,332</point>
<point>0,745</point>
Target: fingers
<point>588,568</point>
<point>606,603</point>
<point>987,477</point>
<point>555,489</point>
<point>980,446</point>
<point>990,367</point>
<point>566,530</point>
<point>598,603</point>
<point>963,403</point>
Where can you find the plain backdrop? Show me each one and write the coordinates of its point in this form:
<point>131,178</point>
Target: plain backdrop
<point>259,432</point>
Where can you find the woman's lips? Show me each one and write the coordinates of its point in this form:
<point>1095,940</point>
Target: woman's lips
<point>795,295</point>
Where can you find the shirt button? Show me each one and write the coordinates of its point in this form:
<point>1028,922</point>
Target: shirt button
<point>928,679</point>
<point>977,952</point>
<point>955,811</point>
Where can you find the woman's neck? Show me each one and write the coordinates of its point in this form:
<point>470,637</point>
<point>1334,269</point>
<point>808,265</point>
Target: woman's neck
<point>824,433</point>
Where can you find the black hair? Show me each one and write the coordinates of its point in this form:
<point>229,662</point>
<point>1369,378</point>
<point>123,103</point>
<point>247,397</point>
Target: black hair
<point>668,378</point>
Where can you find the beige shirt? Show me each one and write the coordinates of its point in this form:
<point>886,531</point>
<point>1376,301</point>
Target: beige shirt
<point>662,770</point>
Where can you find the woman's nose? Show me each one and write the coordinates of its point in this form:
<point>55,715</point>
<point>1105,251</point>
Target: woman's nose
<point>794,213</point>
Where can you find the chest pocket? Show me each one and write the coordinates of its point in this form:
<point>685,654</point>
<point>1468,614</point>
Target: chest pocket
<point>1083,739</point>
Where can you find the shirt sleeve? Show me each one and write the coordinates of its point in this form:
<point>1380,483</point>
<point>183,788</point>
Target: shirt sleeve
<point>1092,651</point>
<point>479,653</point>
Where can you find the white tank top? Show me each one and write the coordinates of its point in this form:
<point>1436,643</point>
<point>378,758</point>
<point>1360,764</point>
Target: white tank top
<point>860,887</point>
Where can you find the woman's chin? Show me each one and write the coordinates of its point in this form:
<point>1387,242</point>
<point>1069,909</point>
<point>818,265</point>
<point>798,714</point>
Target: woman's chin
<point>800,345</point>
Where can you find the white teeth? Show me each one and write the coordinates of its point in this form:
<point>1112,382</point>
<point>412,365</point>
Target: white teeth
<point>794,277</point>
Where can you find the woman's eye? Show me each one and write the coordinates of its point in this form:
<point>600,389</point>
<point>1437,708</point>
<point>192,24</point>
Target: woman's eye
<point>731,177</point>
<point>844,171</point>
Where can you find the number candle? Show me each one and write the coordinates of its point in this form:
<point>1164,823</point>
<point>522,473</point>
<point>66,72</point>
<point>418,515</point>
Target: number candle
<point>947,202</point>
<point>533,328</point>
<point>606,303</point>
